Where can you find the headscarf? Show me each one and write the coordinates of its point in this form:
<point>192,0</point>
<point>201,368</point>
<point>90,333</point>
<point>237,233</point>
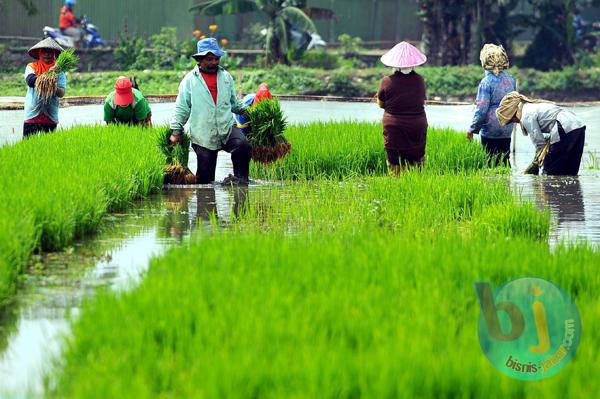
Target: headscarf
<point>493,58</point>
<point>404,71</point>
<point>39,67</point>
<point>511,105</point>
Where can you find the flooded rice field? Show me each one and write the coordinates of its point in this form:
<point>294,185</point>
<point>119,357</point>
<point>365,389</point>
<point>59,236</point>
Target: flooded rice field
<point>115,258</point>
<point>118,255</point>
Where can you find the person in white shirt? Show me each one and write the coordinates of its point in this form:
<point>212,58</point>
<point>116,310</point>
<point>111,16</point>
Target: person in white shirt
<point>557,134</point>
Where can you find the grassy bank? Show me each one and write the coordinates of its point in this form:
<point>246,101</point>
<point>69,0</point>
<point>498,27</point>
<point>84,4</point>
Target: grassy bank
<point>57,187</point>
<point>343,149</point>
<point>442,82</point>
<point>359,289</point>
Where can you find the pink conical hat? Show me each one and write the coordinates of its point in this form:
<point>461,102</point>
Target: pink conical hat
<point>403,55</point>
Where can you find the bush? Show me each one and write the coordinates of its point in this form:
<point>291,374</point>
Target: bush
<point>350,45</point>
<point>320,59</point>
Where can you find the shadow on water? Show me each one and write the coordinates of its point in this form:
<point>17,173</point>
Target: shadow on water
<point>55,284</point>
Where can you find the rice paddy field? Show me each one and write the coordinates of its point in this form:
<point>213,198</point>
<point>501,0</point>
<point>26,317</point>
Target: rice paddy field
<point>56,189</point>
<point>333,280</point>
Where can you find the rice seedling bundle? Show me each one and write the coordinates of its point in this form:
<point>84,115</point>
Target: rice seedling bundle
<point>45,85</point>
<point>176,170</point>
<point>266,137</point>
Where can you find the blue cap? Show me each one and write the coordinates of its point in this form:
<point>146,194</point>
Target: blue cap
<point>209,45</point>
<point>70,3</point>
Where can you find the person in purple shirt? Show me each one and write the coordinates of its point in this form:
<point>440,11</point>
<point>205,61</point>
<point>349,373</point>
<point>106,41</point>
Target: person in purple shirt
<point>492,88</point>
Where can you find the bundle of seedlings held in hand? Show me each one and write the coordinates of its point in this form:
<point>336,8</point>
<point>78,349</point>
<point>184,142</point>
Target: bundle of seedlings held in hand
<point>266,137</point>
<point>176,170</point>
<point>45,85</point>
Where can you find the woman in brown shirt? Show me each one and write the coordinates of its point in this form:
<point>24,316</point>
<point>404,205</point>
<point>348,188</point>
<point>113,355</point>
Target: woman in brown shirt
<point>402,96</point>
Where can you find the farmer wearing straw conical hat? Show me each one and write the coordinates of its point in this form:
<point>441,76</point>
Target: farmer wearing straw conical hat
<point>492,88</point>
<point>42,115</point>
<point>557,134</point>
<point>402,96</point>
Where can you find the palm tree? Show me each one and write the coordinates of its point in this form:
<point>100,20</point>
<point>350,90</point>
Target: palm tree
<point>282,14</point>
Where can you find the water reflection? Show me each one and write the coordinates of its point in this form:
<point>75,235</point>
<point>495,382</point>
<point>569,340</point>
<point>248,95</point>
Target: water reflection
<point>117,257</point>
<point>564,197</point>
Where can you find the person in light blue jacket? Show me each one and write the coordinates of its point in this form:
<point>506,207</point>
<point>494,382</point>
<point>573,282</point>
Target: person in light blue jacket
<point>492,88</point>
<point>207,100</point>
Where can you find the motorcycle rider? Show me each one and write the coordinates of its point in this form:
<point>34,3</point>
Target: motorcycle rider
<point>68,23</point>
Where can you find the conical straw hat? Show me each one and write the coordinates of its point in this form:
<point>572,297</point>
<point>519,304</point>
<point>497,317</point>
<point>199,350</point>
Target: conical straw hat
<point>48,43</point>
<point>403,55</point>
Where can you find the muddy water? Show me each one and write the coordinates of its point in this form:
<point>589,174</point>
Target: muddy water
<point>117,257</point>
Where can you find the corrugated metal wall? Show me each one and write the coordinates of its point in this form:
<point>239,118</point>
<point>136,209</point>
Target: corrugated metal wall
<point>369,19</point>
<point>142,17</point>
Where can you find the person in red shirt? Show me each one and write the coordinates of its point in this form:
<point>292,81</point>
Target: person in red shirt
<point>68,23</point>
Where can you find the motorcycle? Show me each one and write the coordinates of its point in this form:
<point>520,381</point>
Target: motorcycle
<point>91,37</point>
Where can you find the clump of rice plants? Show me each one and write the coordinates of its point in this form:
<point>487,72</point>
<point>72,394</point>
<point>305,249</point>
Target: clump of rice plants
<point>87,171</point>
<point>45,85</point>
<point>266,137</point>
<point>343,149</point>
<point>176,170</point>
<point>369,314</point>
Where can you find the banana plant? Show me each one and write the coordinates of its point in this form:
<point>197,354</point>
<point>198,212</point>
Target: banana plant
<point>282,14</point>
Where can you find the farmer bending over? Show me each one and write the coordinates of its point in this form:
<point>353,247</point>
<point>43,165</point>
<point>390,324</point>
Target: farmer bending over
<point>126,105</point>
<point>207,99</point>
<point>557,134</point>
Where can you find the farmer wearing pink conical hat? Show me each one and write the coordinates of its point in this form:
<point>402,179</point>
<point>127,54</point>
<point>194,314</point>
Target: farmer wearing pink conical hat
<point>402,96</point>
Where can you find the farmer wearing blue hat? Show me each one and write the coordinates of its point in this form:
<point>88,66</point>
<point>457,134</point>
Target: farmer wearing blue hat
<point>207,100</point>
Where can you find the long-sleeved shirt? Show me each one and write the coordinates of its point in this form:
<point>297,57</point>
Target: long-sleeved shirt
<point>540,118</point>
<point>491,90</point>
<point>35,106</point>
<point>210,122</point>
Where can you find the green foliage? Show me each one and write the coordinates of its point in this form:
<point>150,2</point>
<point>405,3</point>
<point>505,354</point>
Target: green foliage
<point>320,59</point>
<point>349,45</point>
<point>442,82</point>
<point>349,273</point>
<point>281,15</point>
<point>340,149</point>
<point>87,172</point>
<point>268,123</point>
<point>67,60</point>
<point>128,50</point>
<point>174,155</point>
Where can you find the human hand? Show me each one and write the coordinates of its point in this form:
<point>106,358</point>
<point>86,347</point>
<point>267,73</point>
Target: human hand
<point>174,138</point>
<point>470,136</point>
<point>53,68</point>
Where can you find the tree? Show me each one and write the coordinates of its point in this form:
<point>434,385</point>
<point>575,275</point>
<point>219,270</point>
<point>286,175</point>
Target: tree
<point>454,31</point>
<point>282,14</point>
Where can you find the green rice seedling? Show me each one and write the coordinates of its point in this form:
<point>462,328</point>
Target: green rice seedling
<point>175,155</point>
<point>45,85</point>
<point>419,201</point>
<point>335,315</point>
<point>267,126</point>
<point>56,188</point>
<point>342,149</point>
<point>176,170</point>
